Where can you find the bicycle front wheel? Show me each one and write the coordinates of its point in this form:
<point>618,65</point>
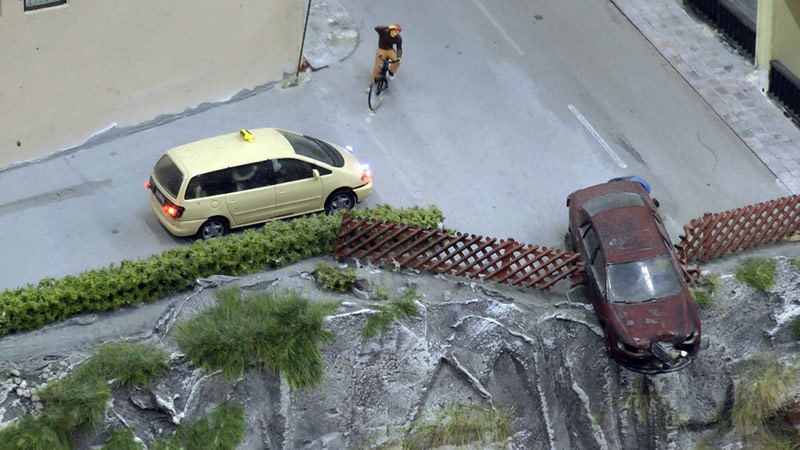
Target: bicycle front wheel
<point>376,94</point>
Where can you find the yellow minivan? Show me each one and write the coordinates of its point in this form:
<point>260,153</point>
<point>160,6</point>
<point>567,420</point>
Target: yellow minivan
<point>207,187</point>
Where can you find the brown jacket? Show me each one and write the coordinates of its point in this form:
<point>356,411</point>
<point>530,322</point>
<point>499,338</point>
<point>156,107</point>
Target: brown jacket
<point>387,42</point>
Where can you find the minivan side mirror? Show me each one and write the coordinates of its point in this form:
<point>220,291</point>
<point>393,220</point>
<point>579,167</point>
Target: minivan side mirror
<point>316,173</point>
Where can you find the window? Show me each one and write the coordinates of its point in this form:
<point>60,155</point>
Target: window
<point>288,169</point>
<point>314,149</point>
<point>209,184</point>
<point>252,176</point>
<point>640,281</point>
<point>168,175</point>
<point>612,200</point>
<point>31,5</point>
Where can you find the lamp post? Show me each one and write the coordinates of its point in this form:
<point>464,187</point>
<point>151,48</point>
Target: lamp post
<point>302,42</point>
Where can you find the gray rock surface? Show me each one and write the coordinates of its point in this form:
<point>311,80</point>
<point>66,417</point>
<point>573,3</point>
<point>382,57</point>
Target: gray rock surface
<point>540,353</point>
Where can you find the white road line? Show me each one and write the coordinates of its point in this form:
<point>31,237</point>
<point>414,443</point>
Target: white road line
<point>499,28</point>
<point>597,137</point>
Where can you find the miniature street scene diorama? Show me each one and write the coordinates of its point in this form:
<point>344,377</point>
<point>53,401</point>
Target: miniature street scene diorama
<point>553,226</point>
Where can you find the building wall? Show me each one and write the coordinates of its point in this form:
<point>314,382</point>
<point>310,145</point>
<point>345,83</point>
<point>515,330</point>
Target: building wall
<point>71,71</point>
<point>778,33</point>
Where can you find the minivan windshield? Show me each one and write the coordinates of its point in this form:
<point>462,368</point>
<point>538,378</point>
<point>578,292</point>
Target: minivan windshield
<point>314,148</point>
<point>168,175</point>
<point>640,281</point>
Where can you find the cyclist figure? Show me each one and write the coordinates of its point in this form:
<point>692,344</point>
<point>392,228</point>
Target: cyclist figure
<point>388,39</point>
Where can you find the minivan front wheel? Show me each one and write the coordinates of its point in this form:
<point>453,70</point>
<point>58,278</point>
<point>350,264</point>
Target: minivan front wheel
<point>212,228</point>
<point>340,201</point>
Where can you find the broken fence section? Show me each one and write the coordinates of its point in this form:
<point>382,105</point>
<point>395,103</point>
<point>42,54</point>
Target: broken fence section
<point>435,250</point>
<point>715,235</point>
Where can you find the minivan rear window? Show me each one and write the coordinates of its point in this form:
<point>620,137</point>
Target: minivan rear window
<point>314,148</point>
<point>168,175</point>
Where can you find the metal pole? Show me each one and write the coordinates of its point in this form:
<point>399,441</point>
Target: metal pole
<point>303,42</point>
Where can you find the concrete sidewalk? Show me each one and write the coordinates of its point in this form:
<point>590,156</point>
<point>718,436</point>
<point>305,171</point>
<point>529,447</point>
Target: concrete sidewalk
<point>723,79</point>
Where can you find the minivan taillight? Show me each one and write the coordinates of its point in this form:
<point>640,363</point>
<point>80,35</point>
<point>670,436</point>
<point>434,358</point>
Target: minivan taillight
<point>172,210</point>
<point>366,173</point>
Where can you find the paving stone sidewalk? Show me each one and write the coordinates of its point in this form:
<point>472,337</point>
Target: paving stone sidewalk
<point>724,79</point>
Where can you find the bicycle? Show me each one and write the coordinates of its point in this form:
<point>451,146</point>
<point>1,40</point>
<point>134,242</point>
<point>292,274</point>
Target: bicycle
<point>379,85</point>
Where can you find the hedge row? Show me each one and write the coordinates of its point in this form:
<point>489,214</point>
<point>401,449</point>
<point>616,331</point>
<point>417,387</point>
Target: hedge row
<point>277,243</point>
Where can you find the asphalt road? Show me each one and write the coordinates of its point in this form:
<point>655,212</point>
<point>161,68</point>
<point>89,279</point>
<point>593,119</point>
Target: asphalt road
<point>499,111</point>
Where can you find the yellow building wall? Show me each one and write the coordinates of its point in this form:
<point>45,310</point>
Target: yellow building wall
<point>778,33</point>
<point>71,71</point>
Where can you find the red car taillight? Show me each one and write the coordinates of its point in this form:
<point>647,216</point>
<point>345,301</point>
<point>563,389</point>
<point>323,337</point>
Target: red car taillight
<point>147,185</point>
<point>172,210</point>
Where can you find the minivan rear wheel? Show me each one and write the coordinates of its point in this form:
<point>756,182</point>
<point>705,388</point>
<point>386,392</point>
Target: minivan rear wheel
<point>340,201</point>
<point>212,228</point>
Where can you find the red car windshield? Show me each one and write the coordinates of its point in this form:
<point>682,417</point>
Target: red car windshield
<point>640,281</point>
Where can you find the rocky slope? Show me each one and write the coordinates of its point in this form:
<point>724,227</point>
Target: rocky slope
<point>539,353</point>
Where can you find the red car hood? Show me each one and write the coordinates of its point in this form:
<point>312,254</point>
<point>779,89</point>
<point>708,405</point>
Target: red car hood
<point>669,319</point>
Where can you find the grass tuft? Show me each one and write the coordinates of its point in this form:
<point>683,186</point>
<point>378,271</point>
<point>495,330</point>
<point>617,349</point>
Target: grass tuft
<point>80,399</point>
<point>266,330</point>
<point>758,273</point>
<point>461,425</point>
<point>703,295</point>
<point>765,387</point>
<point>392,311</point>
<point>75,401</point>
<point>640,397</point>
<point>702,298</point>
<point>34,433</point>
<point>122,439</point>
<point>127,364</point>
<point>222,429</point>
<point>334,278</point>
<point>381,293</point>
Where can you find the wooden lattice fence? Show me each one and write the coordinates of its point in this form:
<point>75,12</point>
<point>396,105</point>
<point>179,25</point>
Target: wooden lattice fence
<point>435,250</point>
<point>715,235</point>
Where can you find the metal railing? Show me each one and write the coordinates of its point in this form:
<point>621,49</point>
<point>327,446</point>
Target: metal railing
<point>730,21</point>
<point>784,86</point>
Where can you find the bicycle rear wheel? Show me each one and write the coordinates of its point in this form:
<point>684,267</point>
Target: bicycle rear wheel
<point>376,93</point>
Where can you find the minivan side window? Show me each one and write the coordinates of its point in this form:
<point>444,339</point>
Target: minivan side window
<point>288,169</point>
<point>233,179</point>
<point>208,184</point>
<point>252,176</point>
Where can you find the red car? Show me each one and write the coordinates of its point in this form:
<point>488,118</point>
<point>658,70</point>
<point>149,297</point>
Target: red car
<point>633,277</point>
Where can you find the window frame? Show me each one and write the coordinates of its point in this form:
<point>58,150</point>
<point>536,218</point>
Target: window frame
<point>46,4</point>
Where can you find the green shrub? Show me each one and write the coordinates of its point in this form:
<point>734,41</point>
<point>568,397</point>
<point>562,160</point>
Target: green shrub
<point>277,243</point>
<point>395,309</point>
<point>334,278</point>
<point>461,425</point>
<point>758,273</point>
<point>430,217</point>
<point>122,439</point>
<point>265,330</point>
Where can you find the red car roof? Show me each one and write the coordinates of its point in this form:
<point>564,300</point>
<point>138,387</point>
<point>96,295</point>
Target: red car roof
<point>628,234</point>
